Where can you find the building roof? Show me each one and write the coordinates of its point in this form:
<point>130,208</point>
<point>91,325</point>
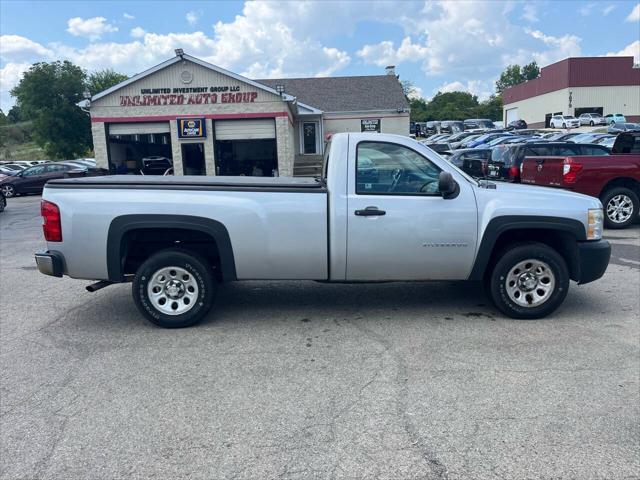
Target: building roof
<point>576,72</point>
<point>345,94</point>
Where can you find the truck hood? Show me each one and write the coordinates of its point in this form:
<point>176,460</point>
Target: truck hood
<point>509,199</point>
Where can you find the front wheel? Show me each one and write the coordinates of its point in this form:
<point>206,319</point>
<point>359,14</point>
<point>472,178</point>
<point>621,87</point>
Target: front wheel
<point>531,280</point>
<point>174,288</point>
<point>564,125</point>
<point>8,190</point>
<point>591,123</point>
<point>621,206</point>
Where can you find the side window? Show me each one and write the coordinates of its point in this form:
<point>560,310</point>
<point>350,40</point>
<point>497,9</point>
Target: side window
<point>33,171</point>
<point>593,150</point>
<point>564,150</point>
<point>387,168</point>
<point>55,168</point>
<point>537,151</point>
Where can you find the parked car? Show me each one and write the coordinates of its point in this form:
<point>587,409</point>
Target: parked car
<point>506,159</point>
<point>473,123</point>
<point>486,138</point>
<point>592,119</point>
<point>155,165</point>
<point>517,125</point>
<point>451,126</point>
<point>3,202</point>
<point>587,137</point>
<point>562,136</point>
<point>7,172</point>
<point>33,179</point>
<point>464,141</point>
<point>472,161</point>
<point>614,179</point>
<point>564,121</point>
<point>607,141</point>
<point>16,167</point>
<point>431,221</point>
<point>500,140</point>
<point>615,118</point>
<point>623,127</point>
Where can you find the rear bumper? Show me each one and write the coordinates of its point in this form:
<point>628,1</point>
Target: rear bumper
<point>50,263</point>
<point>593,259</point>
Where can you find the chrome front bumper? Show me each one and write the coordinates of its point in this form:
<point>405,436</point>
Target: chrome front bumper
<point>50,263</point>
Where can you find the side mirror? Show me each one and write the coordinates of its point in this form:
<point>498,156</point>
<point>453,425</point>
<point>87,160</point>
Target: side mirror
<point>447,186</point>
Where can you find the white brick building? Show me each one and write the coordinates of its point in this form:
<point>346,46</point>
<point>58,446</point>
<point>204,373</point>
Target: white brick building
<point>209,121</point>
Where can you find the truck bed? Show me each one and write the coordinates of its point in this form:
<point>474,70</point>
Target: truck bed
<point>190,182</point>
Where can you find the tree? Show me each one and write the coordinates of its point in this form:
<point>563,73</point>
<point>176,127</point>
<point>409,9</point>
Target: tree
<point>452,106</point>
<point>48,94</point>
<point>14,115</point>
<point>103,79</point>
<point>491,108</point>
<point>514,75</point>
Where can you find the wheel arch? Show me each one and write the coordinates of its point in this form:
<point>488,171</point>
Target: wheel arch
<point>627,182</point>
<point>172,227</point>
<point>562,234</point>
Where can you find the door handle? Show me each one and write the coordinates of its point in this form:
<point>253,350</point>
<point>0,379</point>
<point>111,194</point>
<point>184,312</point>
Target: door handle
<point>370,212</point>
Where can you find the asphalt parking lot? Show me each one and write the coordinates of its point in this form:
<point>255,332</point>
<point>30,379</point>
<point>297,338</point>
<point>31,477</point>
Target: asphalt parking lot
<point>300,380</point>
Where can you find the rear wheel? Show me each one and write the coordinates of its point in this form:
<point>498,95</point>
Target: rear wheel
<point>591,123</point>
<point>564,125</point>
<point>8,190</point>
<point>530,280</point>
<point>621,206</point>
<point>174,289</point>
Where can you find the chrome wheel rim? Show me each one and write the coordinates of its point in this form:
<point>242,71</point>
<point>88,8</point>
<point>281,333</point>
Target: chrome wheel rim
<point>7,190</point>
<point>619,208</point>
<point>173,290</point>
<point>530,283</point>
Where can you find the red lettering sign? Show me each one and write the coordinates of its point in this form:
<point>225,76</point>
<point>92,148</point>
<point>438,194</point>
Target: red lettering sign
<point>191,99</point>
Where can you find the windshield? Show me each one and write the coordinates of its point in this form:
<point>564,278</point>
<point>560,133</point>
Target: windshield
<point>567,117</point>
<point>503,154</point>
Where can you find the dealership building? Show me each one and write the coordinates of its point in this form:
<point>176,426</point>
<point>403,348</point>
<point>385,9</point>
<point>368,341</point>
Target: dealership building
<point>575,86</point>
<point>209,121</point>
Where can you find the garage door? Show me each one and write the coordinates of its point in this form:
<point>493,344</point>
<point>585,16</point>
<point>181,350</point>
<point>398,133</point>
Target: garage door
<point>512,115</point>
<point>245,129</point>
<point>138,128</point>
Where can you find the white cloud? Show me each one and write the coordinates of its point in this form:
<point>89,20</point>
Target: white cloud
<point>193,17</point>
<point>91,28</point>
<point>10,75</point>
<point>416,92</point>
<point>385,53</point>
<point>16,47</point>
<point>631,50</point>
<point>586,9</point>
<point>558,47</point>
<point>634,16</point>
<point>137,32</point>
<point>128,16</point>
<point>480,88</point>
<point>530,13</point>
<point>608,9</point>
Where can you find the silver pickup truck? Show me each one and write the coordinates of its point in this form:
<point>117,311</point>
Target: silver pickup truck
<point>386,208</point>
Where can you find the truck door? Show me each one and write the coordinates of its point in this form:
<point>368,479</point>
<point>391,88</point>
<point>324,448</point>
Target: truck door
<point>399,226</point>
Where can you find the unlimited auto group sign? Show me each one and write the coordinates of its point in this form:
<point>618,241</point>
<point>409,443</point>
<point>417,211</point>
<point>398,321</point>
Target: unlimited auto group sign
<point>151,97</point>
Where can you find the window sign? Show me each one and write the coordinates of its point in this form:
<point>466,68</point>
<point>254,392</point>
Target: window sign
<point>191,128</point>
<point>309,134</point>
<point>370,125</point>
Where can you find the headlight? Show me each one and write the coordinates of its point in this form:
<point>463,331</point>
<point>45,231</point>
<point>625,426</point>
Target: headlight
<point>596,218</point>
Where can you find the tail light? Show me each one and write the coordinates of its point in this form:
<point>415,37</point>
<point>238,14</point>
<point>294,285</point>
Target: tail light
<point>514,173</point>
<point>570,169</point>
<point>51,224</point>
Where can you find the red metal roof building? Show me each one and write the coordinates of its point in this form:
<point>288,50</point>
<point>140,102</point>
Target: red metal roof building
<point>574,86</point>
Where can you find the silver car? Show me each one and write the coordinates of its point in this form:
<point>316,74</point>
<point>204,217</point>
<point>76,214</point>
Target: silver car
<point>592,119</point>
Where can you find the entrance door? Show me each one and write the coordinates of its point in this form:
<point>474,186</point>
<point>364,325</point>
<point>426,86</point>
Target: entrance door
<point>547,120</point>
<point>417,234</point>
<point>193,159</point>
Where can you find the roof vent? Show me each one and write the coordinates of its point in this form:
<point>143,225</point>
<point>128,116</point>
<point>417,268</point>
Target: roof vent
<point>179,52</point>
<point>391,70</point>
<point>280,88</point>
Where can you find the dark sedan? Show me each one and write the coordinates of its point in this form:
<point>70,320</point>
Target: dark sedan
<point>32,179</point>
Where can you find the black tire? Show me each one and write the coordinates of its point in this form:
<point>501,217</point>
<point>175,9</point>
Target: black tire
<point>591,123</point>
<point>613,221</point>
<point>509,259</point>
<point>564,125</point>
<point>202,276</point>
<point>3,203</point>
<point>8,191</point>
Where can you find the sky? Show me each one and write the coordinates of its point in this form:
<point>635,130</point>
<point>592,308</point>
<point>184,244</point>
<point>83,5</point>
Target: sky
<point>437,45</point>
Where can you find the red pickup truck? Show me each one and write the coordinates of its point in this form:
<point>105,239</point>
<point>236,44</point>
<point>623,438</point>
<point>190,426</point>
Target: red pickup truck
<point>614,179</point>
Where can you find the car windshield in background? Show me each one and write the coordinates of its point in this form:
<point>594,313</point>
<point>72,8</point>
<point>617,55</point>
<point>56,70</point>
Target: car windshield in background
<point>504,155</point>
